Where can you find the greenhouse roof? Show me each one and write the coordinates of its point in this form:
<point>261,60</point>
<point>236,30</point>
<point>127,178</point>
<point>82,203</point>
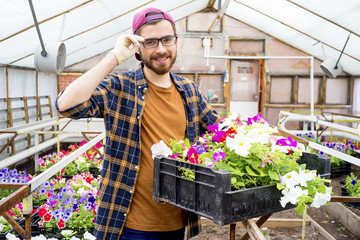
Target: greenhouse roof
<point>90,27</point>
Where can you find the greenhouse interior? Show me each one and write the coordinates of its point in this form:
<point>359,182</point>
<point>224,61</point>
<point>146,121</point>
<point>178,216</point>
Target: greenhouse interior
<point>267,148</point>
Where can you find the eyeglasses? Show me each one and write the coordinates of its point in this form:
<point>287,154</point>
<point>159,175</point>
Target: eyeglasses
<point>154,42</point>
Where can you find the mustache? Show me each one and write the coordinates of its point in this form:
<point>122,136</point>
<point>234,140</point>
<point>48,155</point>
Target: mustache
<point>163,55</point>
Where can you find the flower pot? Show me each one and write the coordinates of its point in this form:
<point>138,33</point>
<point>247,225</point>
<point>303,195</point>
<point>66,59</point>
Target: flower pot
<point>94,171</point>
<point>210,194</point>
<point>337,171</point>
<point>344,192</point>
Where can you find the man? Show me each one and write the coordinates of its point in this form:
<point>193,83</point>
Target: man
<point>139,108</point>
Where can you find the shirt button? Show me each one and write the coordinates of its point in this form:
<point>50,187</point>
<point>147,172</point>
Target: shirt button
<point>139,86</point>
<point>138,117</point>
<point>145,89</point>
<point>136,167</point>
<point>130,191</point>
<point>125,214</point>
<point>142,97</point>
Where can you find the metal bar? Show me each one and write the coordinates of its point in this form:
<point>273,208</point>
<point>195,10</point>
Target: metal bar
<point>330,151</point>
<point>95,148</point>
<point>344,199</point>
<point>253,230</point>
<point>43,52</point>
<point>28,152</point>
<point>41,178</point>
<point>339,127</point>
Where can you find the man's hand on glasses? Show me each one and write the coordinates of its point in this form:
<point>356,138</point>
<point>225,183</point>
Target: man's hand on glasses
<point>126,46</point>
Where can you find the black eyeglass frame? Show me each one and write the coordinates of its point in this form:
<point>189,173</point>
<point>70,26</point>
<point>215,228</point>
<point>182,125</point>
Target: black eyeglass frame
<point>161,39</point>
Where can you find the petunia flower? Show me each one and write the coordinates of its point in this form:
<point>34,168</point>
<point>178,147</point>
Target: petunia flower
<point>219,156</point>
<point>193,155</point>
<point>286,142</point>
<point>321,199</point>
<point>61,224</point>
<point>240,144</point>
<point>291,195</point>
<point>160,149</point>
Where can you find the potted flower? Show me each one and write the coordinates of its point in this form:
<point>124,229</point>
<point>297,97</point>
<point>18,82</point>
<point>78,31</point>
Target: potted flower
<point>71,206</point>
<point>339,167</point>
<point>351,188</point>
<point>255,161</point>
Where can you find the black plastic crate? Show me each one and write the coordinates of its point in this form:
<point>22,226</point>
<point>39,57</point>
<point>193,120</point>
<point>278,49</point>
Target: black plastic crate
<point>344,192</point>
<point>343,169</point>
<point>210,195</point>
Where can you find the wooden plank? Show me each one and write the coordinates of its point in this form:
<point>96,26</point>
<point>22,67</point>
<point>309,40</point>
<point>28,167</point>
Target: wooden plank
<point>12,185</point>
<point>14,224</point>
<point>344,199</point>
<point>270,223</point>
<point>15,197</point>
<point>253,230</point>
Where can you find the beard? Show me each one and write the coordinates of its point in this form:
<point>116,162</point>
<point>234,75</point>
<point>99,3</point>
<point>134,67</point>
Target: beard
<point>159,69</point>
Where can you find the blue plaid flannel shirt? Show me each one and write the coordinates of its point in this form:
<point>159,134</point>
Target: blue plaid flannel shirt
<point>120,100</point>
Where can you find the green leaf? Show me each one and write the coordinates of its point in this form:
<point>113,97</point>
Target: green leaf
<point>300,208</point>
<point>187,143</point>
<point>273,175</point>
<point>280,186</point>
<point>233,180</point>
<point>250,171</point>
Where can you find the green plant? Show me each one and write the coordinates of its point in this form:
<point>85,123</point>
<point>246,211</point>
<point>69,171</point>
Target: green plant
<point>352,185</point>
<point>254,158</point>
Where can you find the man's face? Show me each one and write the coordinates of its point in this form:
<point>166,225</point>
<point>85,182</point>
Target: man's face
<point>160,58</point>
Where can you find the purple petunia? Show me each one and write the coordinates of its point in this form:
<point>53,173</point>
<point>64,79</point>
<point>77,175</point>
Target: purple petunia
<point>286,142</point>
<point>219,156</point>
<point>42,191</point>
<point>353,182</point>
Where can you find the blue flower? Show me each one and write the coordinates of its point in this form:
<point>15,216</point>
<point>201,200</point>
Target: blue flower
<point>353,182</point>
<point>2,175</point>
<point>64,190</point>
<point>83,199</point>
<point>92,199</point>
<point>42,191</point>
<point>60,196</point>
<point>57,214</point>
<point>46,184</point>
<point>321,153</point>
<point>88,206</point>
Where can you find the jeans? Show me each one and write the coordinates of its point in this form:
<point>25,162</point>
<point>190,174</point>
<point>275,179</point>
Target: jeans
<point>128,234</point>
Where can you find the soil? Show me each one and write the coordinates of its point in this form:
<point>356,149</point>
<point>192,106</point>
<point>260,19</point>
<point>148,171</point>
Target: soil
<point>322,217</point>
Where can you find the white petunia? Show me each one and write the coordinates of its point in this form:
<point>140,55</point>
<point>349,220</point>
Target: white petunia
<point>74,238</point>
<point>258,135</point>
<point>11,237</point>
<point>40,237</point>
<point>66,233</point>
<point>89,236</point>
<point>321,199</point>
<point>291,195</point>
<point>160,149</point>
<point>291,179</point>
<point>305,176</point>
<point>228,121</point>
<point>240,144</point>
<point>1,227</point>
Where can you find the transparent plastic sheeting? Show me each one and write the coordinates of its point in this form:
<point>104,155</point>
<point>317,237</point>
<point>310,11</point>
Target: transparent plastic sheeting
<point>90,27</point>
<point>301,27</point>
<point>87,28</point>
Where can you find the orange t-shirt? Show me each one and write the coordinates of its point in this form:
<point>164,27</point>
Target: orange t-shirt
<point>164,118</point>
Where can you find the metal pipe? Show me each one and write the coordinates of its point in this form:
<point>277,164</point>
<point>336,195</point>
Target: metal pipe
<point>29,152</point>
<point>206,44</point>
<point>43,52</point>
<point>42,177</point>
<point>342,51</point>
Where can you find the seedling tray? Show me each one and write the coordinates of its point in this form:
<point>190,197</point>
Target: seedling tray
<point>210,194</point>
